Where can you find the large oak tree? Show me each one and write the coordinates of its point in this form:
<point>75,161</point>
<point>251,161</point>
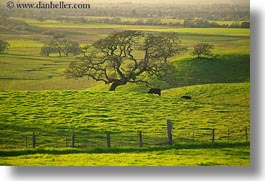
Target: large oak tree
<point>123,56</point>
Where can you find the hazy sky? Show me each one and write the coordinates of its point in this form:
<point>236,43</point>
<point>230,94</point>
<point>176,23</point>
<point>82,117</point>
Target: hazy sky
<point>173,1</point>
<point>152,1</point>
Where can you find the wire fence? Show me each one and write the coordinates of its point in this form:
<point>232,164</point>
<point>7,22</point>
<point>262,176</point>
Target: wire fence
<point>78,138</point>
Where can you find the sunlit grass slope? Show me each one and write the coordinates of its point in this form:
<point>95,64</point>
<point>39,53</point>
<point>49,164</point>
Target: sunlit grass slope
<point>219,106</point>
<point>227,156</point>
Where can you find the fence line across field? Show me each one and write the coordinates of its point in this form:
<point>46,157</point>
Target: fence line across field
<point>75,138</point>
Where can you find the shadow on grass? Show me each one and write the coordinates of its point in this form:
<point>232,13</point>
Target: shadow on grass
<point>223,68</point>
<point>218,68</point>
<point>6,153</point>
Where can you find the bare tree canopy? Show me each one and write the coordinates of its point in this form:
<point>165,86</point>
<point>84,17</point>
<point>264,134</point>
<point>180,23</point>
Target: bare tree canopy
<point>123,56</point>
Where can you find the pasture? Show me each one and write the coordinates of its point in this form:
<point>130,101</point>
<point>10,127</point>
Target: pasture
<point>225,155</point>
<point>93,113</point>
<point>35,96</point>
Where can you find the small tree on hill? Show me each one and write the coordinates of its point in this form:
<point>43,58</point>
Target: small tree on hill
<point>4,46</point>
<point>70,47</point>
<point>201,48</point>
<point>60,46</point>
<point>123,57</point>
<point>45,51</point>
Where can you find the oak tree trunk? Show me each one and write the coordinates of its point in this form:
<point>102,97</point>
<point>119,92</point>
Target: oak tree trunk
<point>114,85</point>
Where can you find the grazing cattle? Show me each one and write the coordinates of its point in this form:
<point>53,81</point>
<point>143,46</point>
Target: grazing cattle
<point>155,91</point>
<point>186,97</point>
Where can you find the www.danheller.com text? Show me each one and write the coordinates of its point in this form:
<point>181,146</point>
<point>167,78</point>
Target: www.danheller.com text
<point>46,5</point>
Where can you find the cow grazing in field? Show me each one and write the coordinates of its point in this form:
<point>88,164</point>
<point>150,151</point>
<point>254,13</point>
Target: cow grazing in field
<point>155,91</point>
<point>186,97</point>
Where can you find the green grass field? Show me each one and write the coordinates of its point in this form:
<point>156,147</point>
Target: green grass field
<point>93,113</point>
<point>35,96</point>
<point>207,155</point>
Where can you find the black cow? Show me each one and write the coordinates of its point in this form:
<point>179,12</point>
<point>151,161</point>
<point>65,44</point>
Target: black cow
<point>155,91</point>
<point>186,97</point>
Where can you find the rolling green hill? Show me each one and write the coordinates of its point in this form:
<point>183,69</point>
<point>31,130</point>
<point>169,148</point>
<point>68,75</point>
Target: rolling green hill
<point>219,106</point>
<point>227,68</point>
<point>24,69</point>
<point>35,96</point>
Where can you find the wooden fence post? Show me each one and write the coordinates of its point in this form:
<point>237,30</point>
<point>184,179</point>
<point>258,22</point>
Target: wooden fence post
<point>26,141</point>
<point>66,140</point>
<point>108,139</point>
<point>73,138</point>
<point>169,132</point>
<point>140,139</point>
<point>228,135</point>
<point>212,135</point>
<point>246,130</point>
<point>193,136</point>
<point>33,139</point>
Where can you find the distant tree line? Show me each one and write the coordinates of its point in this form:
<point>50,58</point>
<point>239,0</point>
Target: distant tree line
<point>217,11</point>
<point>9,24</point>
<point>13,24</point>
<point>188,23</point>
<point>203,23</point>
